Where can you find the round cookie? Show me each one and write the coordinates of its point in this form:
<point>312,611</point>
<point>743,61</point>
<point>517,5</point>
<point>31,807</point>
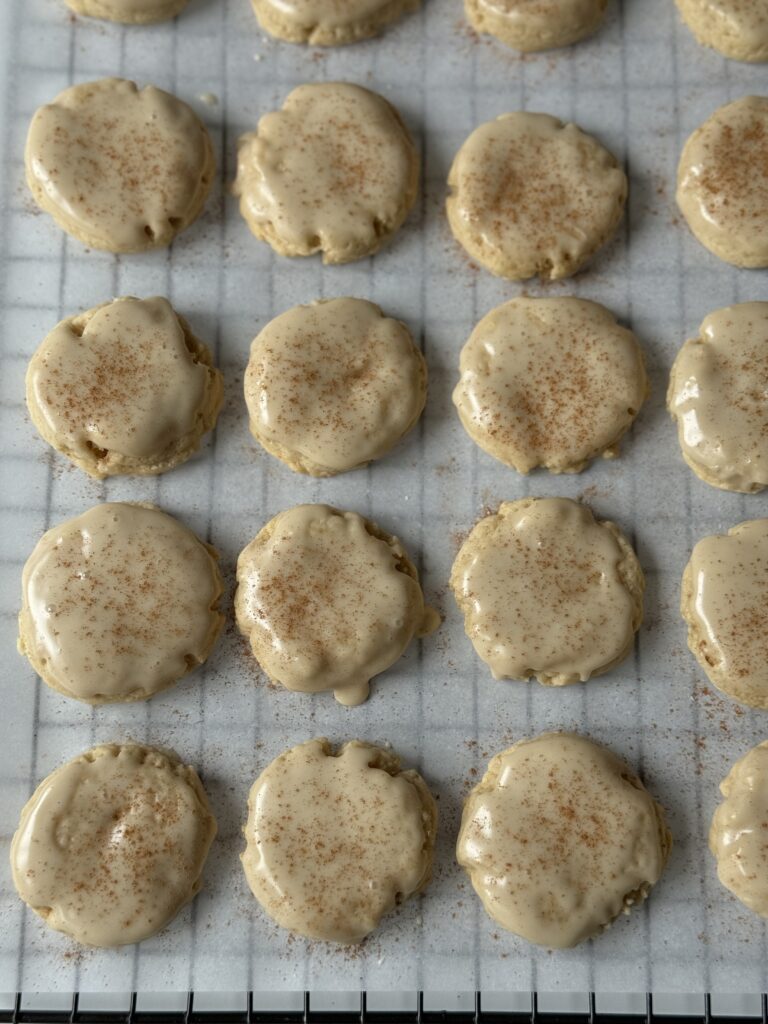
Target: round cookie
<point>724,601</point>
<point>117,167</point>
<point>329,22</point>
<point>328,600</point>
<point>531,195</point>
<point>722,182</point>
<point>129,12</point>
<point>531,25</point>
<point>125,387</point>
<point>736,28</point>
<point>112,845</point>
<point>119,603</point>
<point>717,395</point>
<point>337,839</point>
<point>550,382</point>
<point>334,171</point>
<point>332,386</point>
<point>548,591</point>
<point>559,838</point>
<point>737,836</point>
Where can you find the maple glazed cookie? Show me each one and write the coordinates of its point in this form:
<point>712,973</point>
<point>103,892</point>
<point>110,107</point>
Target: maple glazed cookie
<point>329,22</point>
<point>550,382</point>
<point>337,839</point>
<point>333,385</point>
<point>117,167</point>
<point>531,25</point>
<point>717,395</point>
<point>724,601</point>
<point>560,838</point>
<point>112,845</point>
<point>736,28</point>
<point>328,600</point>
<point>129,12</point>
<point>722,182</point>
<point>125,387</point>
<point>334,171</point>
<point>586,582</point>
<point>528,195</point>
<point>119,603</point>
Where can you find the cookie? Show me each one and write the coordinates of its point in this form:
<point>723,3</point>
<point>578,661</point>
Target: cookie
<point>548,591</point>
<point>332,386</point>
<point>129,12</point>
<point>722,182</point>
<point>328,600</point>
<point>125,387</point>
<point>531,25</point>
<point>724,601</point>
<point>550,382</point>
<point>717,396</point>
<point>329,22</point>
<point>560,838</point>
<point>334,171</point>
<point>112,845</point>
<point>117,167</point>
<point>337,839</point>
<point>119,603</point>
<point>736,28</point>
<point>528,195</point>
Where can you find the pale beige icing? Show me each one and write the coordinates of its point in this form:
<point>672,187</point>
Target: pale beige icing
<point>550,382</point>
<point>736,28</point>
<point>335,840</point>
<point>559,838</point>
<point>129,12</point>
<point>120,168</point>
<point>718,394</point>
<point>722,182</point>
<point>328,601</point>
<point>124,388</point>
<point>531,25</point>
<point>548,591</point>
<point>328,22</point>
<point>531,195</point>
<point>119,603</point>
<point>738,837</point>
<point>333,385</point>
<point>112,845</point>
<point>725,603</point>
<point>333,171</point>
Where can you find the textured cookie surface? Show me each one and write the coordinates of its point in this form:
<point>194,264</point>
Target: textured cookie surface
<point>124,388</point>
<point>333,385</point>
<point>548,591</point>
<point>112,845</point>
<point>120,168</point>
<point>550,382</point>
<point>717,395</point>
<point>736,28</point>
<point>119,603</point>
<point>334,171</point>
<point>531,195</point>
<point>559,838</point>
<point>531,25</point>
<point>328,22</point>
<point>337,839</point>
<point>129,12</point>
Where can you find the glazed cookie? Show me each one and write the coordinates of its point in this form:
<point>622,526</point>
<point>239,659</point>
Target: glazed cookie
<point>328,600</point>
<point>337,839</point>
<point>548,591</point>
<point>329,22</point>
<point>738,837</point>
<point>118,167</point>
<point>550,382</point>
<point>334,171</point>
<point>725,603</point>
<point>560,838</point>
<point>530,25</point>
<point>124,388</point>
<point>119,603</point>
<point>331,386</point>
<point>129,12</point>
<point>722,182</point>
<point>717,395</point>
<point>530,195</point>
<point>735,28</point>
<point>112,845</point>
